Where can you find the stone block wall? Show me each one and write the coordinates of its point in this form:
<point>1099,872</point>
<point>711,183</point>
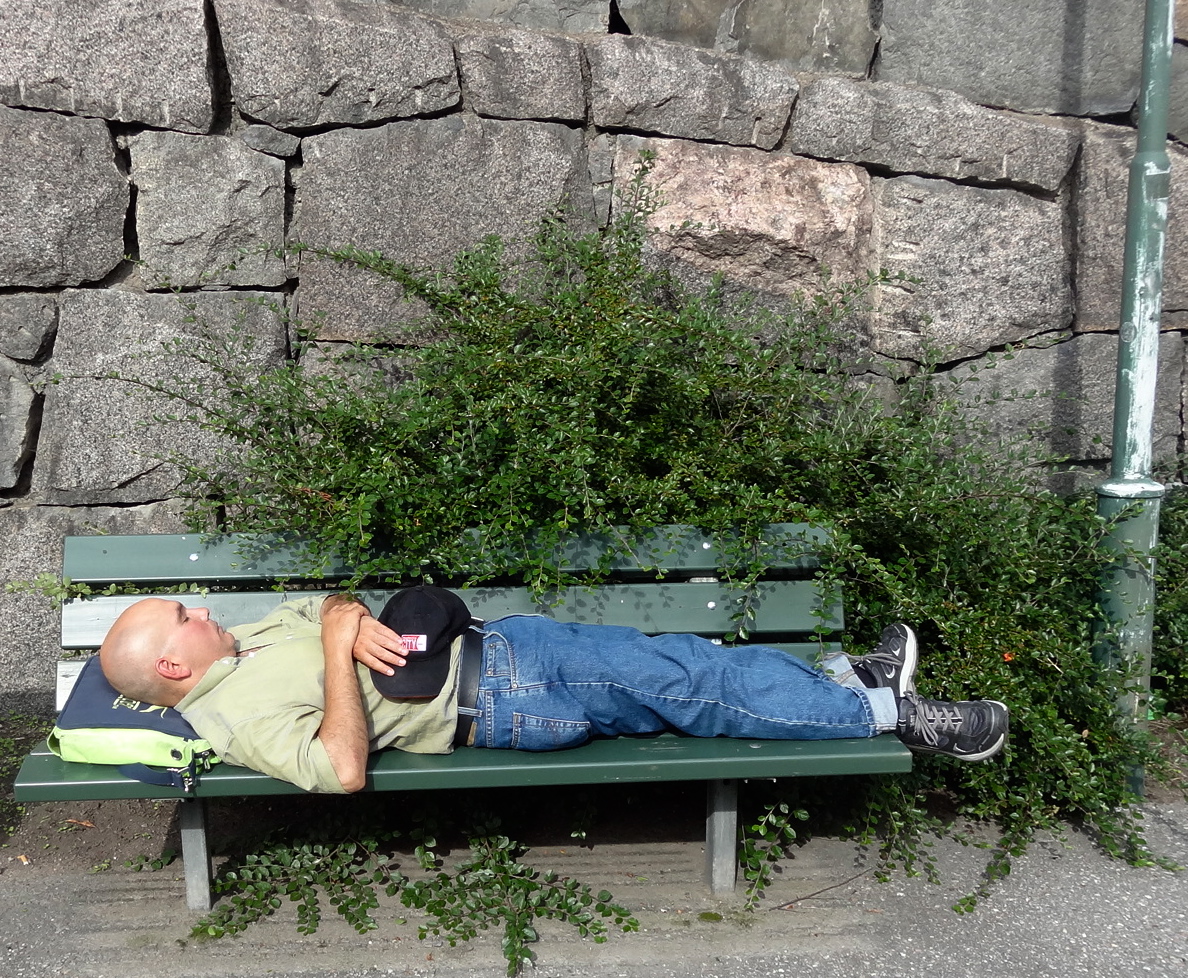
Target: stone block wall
<point>149,147</point>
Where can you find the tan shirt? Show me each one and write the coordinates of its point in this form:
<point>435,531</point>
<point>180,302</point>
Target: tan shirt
<point>263,709</point>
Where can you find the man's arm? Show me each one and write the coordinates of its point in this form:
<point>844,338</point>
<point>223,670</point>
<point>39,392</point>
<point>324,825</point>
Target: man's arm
<point>376,645</point>
<point>343,731</point>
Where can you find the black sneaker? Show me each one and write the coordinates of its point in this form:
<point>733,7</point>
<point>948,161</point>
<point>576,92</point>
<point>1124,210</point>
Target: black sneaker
<point>892,664</point>
<point>970,730</point>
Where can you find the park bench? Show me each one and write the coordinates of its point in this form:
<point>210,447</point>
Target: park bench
<point>685,595</point>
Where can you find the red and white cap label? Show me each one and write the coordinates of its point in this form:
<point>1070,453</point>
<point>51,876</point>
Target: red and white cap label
<point>414,643</point>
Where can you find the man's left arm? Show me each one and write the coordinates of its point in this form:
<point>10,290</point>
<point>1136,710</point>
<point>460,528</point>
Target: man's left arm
<point>343,731</point>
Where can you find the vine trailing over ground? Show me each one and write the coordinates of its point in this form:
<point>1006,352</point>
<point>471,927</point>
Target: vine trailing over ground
<point>578,388</point>
<point>493,887</point>
<point>347,859</point>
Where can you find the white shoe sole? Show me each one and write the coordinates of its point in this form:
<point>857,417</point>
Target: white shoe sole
<point>911,658</point>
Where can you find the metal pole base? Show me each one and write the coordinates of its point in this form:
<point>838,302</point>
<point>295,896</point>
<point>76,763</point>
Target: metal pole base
<point>195,853</point>
<point>721,836</point>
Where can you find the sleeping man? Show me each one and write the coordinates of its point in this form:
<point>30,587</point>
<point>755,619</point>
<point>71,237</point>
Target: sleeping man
<point>306,693</point>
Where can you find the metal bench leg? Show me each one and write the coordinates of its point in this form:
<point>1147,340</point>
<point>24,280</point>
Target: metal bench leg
<point>721,835</point>
<point>195,853</point>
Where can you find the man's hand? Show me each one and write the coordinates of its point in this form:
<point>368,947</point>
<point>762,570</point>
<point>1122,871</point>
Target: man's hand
<point>378,647</point>
<point>375,645</point>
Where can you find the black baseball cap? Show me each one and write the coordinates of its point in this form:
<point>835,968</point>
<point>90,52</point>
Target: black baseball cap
<point>428,618</point>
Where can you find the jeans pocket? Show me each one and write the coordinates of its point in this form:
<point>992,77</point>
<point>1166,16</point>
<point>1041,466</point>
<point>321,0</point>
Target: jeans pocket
<point>544,733</point>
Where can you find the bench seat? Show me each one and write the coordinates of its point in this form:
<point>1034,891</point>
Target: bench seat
<point>46,777</point>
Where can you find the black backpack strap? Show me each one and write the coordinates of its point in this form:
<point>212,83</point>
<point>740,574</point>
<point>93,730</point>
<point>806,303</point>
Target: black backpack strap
<point>181,778</point>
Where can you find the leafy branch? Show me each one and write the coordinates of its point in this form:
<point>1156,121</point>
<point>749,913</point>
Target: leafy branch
<point>493,888</point>
<point>490,889</point>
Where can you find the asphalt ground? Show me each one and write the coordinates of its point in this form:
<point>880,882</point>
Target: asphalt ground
<point>1067,909</point>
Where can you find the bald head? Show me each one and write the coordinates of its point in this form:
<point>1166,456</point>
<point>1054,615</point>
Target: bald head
<point>158,650</point>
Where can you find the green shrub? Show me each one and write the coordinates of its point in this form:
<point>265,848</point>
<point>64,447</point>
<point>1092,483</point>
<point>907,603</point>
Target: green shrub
<point>577,389</point>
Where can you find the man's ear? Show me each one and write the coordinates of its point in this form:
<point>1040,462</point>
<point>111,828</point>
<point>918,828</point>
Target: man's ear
<point>171,669</point>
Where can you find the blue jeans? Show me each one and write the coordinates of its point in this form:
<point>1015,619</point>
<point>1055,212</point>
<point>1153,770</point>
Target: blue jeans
<point>547,685</point>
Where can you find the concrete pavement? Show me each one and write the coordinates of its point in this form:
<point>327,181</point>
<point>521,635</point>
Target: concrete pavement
<point>1066,910</point>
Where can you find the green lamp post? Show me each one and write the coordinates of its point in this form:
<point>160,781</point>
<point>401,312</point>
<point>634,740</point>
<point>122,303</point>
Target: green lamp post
<point>1131,497</point>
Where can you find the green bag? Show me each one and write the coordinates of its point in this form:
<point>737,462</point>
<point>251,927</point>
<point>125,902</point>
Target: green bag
<point>99,726</point>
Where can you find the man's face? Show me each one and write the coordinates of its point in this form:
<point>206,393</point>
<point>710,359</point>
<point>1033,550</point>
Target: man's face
<point>195,637</point>
<point>187,635</point>
<point>158,649</point>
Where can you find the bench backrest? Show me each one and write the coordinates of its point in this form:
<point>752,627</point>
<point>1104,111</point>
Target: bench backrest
<point>668,583</point>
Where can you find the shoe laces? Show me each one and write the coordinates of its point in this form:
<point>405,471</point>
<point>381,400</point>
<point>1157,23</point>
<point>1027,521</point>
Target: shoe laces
<point>883,658</point>
<point>931,719</point>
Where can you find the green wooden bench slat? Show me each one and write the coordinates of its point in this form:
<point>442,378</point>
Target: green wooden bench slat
<point>181,558</point>
<point>688,549</point>
<point>174,558</point>
<point>656,607</point>
<point>44,777</point>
